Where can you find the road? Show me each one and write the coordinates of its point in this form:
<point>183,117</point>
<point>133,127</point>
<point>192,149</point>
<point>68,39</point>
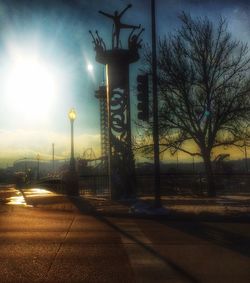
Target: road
<point>62,244</point>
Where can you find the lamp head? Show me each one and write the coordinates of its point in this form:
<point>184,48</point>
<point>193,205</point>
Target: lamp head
<point>72,114</point>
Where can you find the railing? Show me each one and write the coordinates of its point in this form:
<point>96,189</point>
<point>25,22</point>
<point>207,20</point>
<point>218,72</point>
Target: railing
<point>193,183</point>
<point>94,184</point>
<point>174,184</point>
<point>55,185</point>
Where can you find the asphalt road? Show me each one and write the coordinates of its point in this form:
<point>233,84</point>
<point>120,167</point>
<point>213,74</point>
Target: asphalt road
<point>63,245</point>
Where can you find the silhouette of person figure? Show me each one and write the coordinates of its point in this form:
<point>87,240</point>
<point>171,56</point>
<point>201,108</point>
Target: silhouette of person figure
<point>133,39</point>
<point>98,42</point>
<point>116,17</point>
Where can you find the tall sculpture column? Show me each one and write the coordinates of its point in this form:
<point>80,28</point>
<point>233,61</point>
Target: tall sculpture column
<point>101,95</point>
<point>117,60</point>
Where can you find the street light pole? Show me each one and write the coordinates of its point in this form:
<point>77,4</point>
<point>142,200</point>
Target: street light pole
<point>53,158</point>
<point>193,165</point>
<point>157,189</point>
<point>245,149</point>
<point>72,117</point>
<point>72,158</point>
<point>38,166</point>
<point>246,163</point>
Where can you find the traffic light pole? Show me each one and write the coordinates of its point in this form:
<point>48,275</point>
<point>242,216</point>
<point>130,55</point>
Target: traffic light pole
<point>157,189</point>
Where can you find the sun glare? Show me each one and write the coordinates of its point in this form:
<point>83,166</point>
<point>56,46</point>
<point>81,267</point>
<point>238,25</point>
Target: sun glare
<point>90,67</point>
<point>30,86</point>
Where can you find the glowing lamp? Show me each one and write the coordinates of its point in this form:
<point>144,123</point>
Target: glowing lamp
<point>72,114</point>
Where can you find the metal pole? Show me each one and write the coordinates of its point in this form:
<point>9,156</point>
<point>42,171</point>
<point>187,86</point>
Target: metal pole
<point>53,158</point>
<point>155,112</point>
<point>193,165</point>
<point>38,166</point>
<point>38,169</point>
<point>72,159</point>
<point>177,162</point>
<point>25,165</point>
<point>246,163</point>
<point>108,96</point>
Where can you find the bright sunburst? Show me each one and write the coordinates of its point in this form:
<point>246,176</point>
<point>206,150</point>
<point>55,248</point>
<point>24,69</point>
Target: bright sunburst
<point>30,86</point>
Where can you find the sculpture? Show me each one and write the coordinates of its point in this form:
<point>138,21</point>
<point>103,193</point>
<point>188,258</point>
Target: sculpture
<point>118,25</point>
<point>121,165</point>
<point>98,42</point>
<point>133,40</point>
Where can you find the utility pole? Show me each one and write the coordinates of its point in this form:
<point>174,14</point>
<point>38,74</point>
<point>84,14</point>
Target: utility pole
<point>38,166</point>
<point>53,158</point>
<point>246,163</point>
<point>245,148</point>
<point>157,188</point>
<point>25,165</point>
<point>193,165</point>
<point>177,161</point>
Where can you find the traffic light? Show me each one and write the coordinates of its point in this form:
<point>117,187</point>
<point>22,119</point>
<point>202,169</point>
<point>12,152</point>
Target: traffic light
<point>142,97</point>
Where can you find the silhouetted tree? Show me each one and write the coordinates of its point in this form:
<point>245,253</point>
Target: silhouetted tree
<point>204,86</point>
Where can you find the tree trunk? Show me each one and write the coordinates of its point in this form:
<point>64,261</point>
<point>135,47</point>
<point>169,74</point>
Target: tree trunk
<point>211,189</point>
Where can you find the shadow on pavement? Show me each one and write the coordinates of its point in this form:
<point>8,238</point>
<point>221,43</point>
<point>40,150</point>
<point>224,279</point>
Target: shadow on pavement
<point>213,234</point>
<point>85,207</point>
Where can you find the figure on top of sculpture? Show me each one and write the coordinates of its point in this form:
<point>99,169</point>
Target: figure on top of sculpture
<point>133,40</point>
<point>98,42</point>
<point>116,17</point>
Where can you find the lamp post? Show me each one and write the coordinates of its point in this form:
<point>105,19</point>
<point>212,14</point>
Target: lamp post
<point>53,159</point>
<point>245,148</point>
<point>72,117</point>
<point>157,183</point>
<point>193,164</point>
<point>38,167</point>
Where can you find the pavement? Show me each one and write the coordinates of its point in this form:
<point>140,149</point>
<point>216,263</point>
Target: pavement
<point>47,237</point>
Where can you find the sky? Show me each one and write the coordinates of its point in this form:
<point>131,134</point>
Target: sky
<point>51,39</point>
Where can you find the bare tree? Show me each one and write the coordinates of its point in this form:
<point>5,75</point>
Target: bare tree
<point>204,86</point>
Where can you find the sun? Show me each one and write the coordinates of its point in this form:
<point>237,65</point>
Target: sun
<point>90,67</point>
<point>30,86</point>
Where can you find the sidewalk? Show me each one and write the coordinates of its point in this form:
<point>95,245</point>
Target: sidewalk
<point>69,239</point>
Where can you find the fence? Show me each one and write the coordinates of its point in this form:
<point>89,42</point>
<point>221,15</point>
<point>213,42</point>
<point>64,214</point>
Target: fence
<point>174,183</point>
<point>171,184</point>
<point>94,185</point>
<point>197,183</point>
